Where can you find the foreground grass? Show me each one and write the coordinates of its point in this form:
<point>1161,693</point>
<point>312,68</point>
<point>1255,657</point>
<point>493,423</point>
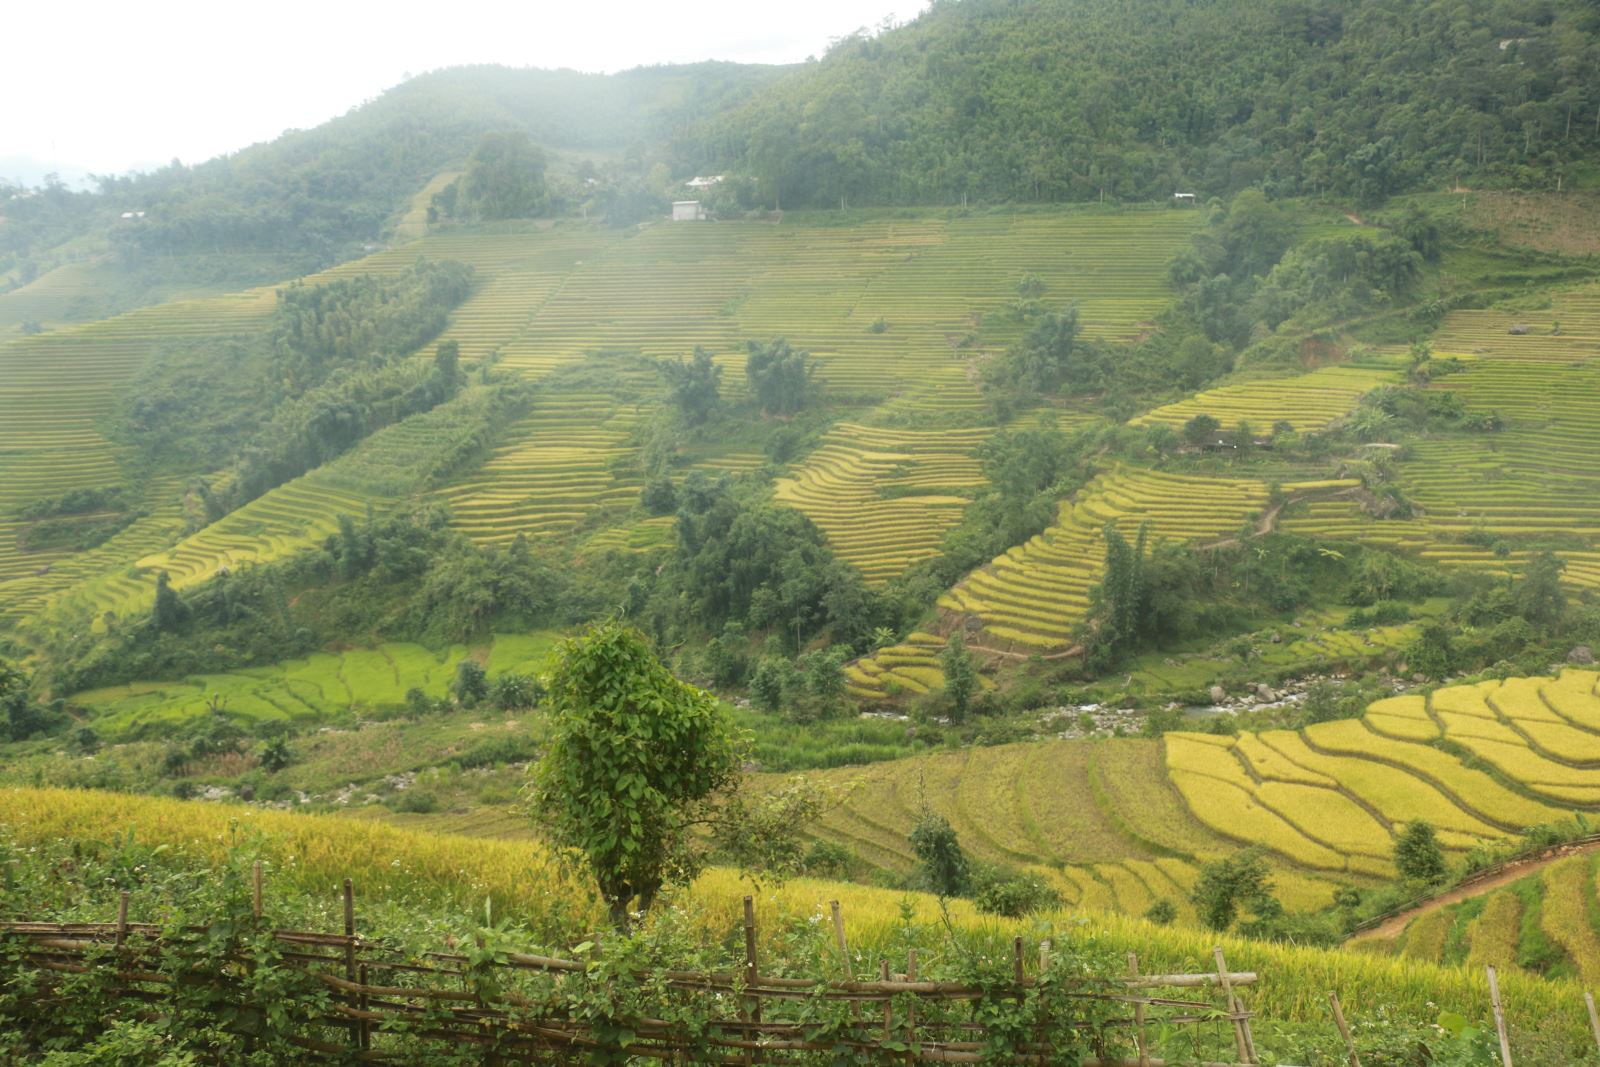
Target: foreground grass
<point>392,866</point>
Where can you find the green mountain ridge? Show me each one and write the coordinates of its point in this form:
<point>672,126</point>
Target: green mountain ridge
<point>987,100</point>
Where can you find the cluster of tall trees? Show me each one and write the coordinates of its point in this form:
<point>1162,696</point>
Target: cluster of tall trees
<point>320,327</point>
<point>741,559</point>
<point>504,180</point>
<point>404,576</point>
<point>331,370</point>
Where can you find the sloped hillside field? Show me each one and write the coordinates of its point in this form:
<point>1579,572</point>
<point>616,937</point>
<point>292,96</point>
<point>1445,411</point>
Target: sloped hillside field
<point>1120,824</point>
<point>893,311</point>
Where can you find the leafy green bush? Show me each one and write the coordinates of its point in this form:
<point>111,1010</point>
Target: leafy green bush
<point>415,802</point>
<point>1015,896</point>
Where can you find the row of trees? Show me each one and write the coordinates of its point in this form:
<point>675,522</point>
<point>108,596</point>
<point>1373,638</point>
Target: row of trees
<point>331,370</point>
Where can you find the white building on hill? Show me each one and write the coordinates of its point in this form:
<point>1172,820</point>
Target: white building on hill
<point>689,211</point>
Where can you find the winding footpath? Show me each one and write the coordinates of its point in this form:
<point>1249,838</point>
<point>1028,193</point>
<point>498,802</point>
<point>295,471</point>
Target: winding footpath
<point>1393,926</point>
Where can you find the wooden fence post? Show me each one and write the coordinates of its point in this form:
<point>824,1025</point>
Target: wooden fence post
<point>255,893</point>
<point>888,1002</point>
<point>1241,1027</point>
<point>911,1008</point>
<point>1594,1017</point>
<point>1344,1028</point>
<point>753,1010</point>
<point>1499,1018</point>
<point>838,935</point>
<point>1138,1014</point>
<point>358,1027</point>
<point>122,918</point>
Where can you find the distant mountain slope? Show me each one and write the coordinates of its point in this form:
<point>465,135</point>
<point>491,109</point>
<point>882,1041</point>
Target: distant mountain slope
<point>1016,100</point>
<point>340,181</point>
<point>325,191</point>
<point>998,100</point>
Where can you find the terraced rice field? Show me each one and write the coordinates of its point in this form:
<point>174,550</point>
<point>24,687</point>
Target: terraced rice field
<point>413,223</point>
<point>1478,761</point>
<point>886,498</point>
<point>87,584</point>
<point>307,690</point>
<point>1033,597</point>
<point>646,535</point>
<point>1547,923</point>
<point>1096,820</point>
<point>49,300</point>
<point>569,459</point>
<point>1535,478</point>
<point>1328,802</point>
<point>1542,734</point>
<point>664,290</point>
<point>1308,402</point>
<point>56,390</point>
<point>293,516</point>
<point>911,666</point>
<point>554,296</point>
<point>551,297</point>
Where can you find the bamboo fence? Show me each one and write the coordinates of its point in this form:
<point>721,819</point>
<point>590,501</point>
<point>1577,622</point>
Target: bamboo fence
<point>379,1000</point>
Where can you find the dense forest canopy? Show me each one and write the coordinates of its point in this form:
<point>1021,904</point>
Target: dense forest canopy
<point>1050,100</point>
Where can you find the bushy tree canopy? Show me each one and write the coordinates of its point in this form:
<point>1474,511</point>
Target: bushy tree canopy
<point>783,378</point>
<point>504,178</point>
<point>1051,100</point>
<point>633,751</point>
<point>694,386</point>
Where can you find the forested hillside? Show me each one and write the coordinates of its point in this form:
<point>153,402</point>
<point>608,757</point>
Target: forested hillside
<point>1080,99</point>
<point>320,194</point>
<point>987,100</point>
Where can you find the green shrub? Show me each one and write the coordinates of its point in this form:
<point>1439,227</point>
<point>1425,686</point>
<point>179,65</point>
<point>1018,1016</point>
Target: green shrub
<point>415,802</point>
<point>1163,912</point>
<point>1017,896</point>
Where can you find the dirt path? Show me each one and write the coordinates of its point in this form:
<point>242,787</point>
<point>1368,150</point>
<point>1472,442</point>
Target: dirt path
<point>1075,650</point>
<point>1392,927</point>
<point>1269,520</point>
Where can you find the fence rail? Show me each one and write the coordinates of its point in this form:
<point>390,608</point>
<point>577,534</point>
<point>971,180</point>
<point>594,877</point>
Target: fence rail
<point>380,1004</point>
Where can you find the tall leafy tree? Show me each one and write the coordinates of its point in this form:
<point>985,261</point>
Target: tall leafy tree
<point>782,378</point>
<point>20,717</point>
<point>1417,854</point>
<point>505,177</point>
<point>1118,605</point>
<point>634,757</point>
<point>169,611</point>
<point>695,386</point>
<point>960,676</point>
<point>1540,599</point>
<point>1229,884</point>
<point>944,864</point>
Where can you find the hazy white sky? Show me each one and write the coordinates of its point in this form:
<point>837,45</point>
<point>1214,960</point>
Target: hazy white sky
<point>110,86</point>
